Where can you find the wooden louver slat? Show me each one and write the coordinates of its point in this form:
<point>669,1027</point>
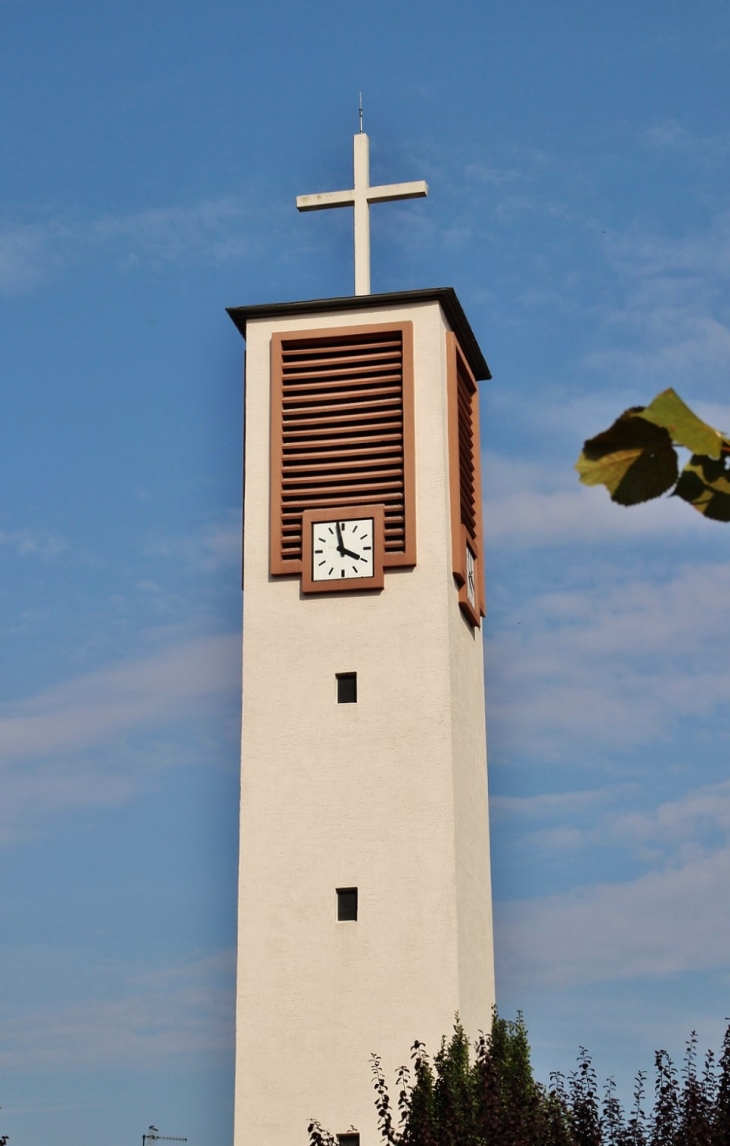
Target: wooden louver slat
<point>342,434</point>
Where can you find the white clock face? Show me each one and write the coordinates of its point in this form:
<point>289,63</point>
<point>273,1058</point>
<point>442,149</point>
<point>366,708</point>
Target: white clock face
<point>342,550</point>
<point>470,587</point>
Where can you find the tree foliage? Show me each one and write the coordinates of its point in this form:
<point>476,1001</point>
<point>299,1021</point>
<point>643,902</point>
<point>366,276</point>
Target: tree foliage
<point>636,460</point>
<point>490,1098</point>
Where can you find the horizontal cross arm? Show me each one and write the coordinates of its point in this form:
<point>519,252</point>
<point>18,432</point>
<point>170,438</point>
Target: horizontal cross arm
<point>325,199</point>
<point>393,191</point>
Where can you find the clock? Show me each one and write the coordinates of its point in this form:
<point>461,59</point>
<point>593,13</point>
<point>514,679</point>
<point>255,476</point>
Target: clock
<point>342,549</point>
<point>471,595</point>
<point>468,579</point>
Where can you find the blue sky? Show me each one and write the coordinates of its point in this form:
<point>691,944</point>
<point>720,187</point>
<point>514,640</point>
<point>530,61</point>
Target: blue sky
<point>578,158</point>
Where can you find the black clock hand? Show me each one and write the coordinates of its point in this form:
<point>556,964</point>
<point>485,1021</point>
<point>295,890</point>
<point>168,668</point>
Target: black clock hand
<point>348,553</point>
<point>340,542</point>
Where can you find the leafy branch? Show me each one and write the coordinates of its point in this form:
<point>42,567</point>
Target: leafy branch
<point>636,460</point>
<point>491,1098</point>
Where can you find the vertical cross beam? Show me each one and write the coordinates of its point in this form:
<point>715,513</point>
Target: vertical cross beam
<point>361,180</point>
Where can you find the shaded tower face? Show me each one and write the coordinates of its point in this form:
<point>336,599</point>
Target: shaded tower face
<point>364,902</point>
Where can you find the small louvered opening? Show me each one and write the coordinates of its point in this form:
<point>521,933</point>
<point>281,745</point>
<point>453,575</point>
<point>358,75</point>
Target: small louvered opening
<point>342,431</point>
<point>467,474</point>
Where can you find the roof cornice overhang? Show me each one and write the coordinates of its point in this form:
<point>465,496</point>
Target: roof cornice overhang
<point>445,296</point>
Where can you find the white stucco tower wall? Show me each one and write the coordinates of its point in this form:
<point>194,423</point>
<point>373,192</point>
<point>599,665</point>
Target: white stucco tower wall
<point>388,795</point>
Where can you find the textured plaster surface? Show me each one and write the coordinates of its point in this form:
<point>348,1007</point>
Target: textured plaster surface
<point>387,795</point>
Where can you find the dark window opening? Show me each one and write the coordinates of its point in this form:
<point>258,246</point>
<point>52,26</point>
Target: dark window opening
<point>348,1140</point>
<point>346,687</point>
<point>346,903</point>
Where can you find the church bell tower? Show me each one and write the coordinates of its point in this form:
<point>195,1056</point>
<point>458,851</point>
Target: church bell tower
<point>364,896</point>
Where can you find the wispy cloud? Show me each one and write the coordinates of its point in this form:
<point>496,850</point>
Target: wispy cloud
<point>490,175</point>
<point>214,229</point>
<point>649,254</point>
<point>167,233</point>
<point>674,831</point>
<point>669,134</point>
<point>684,828</point>
<point>551,803</point>
<point>668,921</point>
<point>673,137</point>
<point>583,672</point>
<point>663,923</point>
<point>216,545</point>
<point>25,256</point>
<point>671,327</point>
<point>31,543</point>
<point>60,749</point>
<point>140,692</point>
<point>180,1010</point>
<point>533,519</point>
<point>534,505</point>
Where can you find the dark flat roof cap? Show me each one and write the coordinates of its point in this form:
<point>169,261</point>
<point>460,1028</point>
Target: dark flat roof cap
<point>446,296</point>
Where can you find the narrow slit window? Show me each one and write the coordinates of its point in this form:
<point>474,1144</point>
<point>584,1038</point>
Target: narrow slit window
<point>348,1140</point>
<point>346,904</point>
<point>346,687</point>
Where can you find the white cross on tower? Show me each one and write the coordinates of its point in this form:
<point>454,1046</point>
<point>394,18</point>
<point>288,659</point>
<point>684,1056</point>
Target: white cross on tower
<point>360,197</point>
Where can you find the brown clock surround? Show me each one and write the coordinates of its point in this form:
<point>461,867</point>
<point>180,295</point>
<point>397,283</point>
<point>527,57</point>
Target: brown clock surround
<point>345,513</point>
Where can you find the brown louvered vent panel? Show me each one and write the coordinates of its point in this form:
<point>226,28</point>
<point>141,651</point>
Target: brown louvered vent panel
<point>465,479</point>
<point>466,394</point>
<point>341,433</point>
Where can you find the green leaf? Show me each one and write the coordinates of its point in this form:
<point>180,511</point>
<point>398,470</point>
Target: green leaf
<point>705,484</point>
<point>685,428</point>
<point>634,459</point>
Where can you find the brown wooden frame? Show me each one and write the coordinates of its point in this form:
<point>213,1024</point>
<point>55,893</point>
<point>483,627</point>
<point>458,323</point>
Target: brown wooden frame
<point>346,513</point>
<point>407,558</point>
<point>460,535</point>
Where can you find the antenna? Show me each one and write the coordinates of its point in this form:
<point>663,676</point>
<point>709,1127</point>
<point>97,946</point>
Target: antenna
<point>153,1135</point>
<point>360,113</point>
